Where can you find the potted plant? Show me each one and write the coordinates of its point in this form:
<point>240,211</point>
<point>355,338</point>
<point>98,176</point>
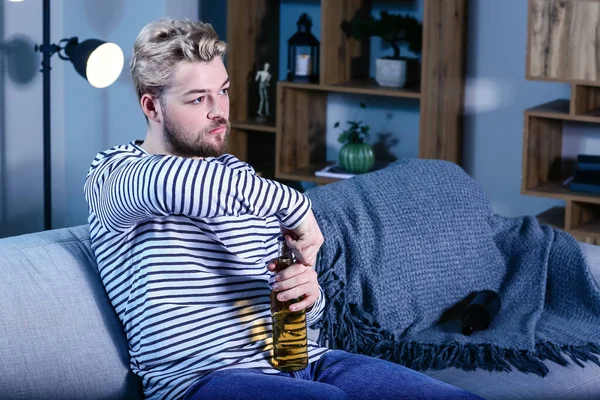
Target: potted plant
<point>355,156</point>
<point>393,29</point>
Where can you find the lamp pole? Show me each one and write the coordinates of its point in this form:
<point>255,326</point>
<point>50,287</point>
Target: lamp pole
<point>78,54</point>
<point>46,51</point>
<point>2,136</point>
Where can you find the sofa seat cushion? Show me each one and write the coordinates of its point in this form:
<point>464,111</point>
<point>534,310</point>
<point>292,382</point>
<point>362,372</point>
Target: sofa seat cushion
<point>60,336</point>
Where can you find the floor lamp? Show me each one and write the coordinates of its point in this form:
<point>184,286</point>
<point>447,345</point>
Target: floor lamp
<point>99,62</point>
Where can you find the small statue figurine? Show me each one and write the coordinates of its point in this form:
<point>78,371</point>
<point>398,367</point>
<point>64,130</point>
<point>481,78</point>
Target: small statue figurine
<point>264,78</point>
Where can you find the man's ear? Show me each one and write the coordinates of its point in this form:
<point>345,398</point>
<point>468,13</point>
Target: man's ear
<point>151,107</point>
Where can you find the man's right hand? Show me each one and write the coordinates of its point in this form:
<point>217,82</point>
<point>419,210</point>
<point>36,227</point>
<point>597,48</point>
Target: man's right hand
<point>305,240</point>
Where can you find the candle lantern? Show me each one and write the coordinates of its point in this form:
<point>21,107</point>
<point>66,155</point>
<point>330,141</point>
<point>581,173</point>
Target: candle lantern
<point>303,53</point>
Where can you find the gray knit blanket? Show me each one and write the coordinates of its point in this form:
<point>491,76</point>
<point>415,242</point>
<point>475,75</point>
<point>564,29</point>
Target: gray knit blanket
<point>407,246</point>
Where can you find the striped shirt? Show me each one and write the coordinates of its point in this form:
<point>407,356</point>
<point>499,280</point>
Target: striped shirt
<point>182,247</point>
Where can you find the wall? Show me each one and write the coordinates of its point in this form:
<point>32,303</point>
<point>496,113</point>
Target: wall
<point>21,151</point>
<point>215,13</point>
<point>20,157</point>
<point>87,120</point>
<point>110,116</point>
<point>100,118</point>
<point>497,94</point>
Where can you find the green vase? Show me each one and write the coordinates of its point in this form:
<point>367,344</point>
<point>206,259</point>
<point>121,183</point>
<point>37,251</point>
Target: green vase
<point>357,158</point>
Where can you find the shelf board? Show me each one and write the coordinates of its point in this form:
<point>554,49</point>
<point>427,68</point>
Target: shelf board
<point>251,125</point>
<point>307,174</point>
<point>582,82</point>
<point>591,229</point>
<point>559,109</point>
<point>559,191</point>
<point>358,87</point>
<point>555,217</point>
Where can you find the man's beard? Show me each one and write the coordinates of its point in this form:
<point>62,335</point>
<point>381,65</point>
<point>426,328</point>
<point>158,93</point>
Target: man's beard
<point>183,144</point>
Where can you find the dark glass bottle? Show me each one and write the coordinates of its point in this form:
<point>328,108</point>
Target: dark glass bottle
<point>480,312</point>
<point>290,345</point>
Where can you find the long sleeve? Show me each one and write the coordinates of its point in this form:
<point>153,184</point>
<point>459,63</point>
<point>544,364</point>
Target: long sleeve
<point>316,312</point>
<point>126,189</point>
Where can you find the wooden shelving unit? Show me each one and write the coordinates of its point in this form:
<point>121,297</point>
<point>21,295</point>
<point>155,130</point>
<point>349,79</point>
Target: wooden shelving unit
<point>252,125</point>
<point>307,174</point>
<point>300,123</point>
<point>370,88</point>
<point>561,40</point>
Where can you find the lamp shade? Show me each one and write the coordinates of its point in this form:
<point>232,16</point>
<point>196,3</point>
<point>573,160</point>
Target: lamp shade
<point>97,61</point>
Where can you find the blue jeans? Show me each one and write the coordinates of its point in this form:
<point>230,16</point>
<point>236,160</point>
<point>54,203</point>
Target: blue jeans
<point>336,375</point>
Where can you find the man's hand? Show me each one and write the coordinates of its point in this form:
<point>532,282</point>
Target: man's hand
<point>300,280</point>
<point>306,240</point>
<point>296,281</point>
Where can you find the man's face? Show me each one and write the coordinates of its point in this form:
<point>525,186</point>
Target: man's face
<point>196,110</point>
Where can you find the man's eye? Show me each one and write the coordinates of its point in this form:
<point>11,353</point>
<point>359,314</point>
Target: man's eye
<point>198,100</point>
<point>224,91</point>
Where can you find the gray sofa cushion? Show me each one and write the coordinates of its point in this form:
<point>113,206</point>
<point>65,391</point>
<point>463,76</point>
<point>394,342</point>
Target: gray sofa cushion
<point>59,337</point>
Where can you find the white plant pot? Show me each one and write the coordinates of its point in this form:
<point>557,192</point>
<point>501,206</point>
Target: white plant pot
<point>390,72</point>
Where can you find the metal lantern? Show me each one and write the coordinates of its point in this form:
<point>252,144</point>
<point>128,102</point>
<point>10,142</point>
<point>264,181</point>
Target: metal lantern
<point>303,53</point>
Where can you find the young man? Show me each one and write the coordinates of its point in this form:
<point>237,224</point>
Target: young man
<point>183,234</point>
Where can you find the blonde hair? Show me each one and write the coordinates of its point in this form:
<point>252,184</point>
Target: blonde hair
<point>162,44</point>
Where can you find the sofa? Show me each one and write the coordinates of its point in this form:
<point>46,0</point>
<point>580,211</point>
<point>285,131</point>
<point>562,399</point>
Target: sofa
<point>61,339</point>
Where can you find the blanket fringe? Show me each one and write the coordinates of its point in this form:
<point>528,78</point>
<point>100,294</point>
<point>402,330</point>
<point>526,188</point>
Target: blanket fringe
<point>347,327</point>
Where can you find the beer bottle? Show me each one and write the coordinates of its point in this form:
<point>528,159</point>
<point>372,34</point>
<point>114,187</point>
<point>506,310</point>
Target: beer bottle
<point>480,312</point>
<point>290,345</point>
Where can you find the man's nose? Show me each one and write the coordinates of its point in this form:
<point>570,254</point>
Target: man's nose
<point>216,111</point>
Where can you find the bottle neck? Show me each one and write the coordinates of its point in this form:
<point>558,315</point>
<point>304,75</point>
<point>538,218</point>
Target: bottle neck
<point>284,251</point>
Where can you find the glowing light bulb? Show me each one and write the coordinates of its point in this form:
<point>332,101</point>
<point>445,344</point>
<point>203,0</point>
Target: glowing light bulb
<point>104,65</point>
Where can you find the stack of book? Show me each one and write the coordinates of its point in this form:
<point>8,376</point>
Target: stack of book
<point>587,174</point>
